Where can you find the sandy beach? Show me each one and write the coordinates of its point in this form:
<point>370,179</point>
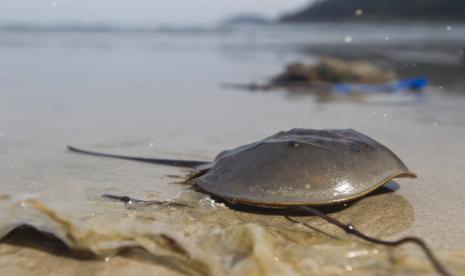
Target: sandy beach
<point>161,96</point>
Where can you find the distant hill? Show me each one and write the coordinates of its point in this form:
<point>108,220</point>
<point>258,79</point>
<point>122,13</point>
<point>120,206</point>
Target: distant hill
<point>325,10</point>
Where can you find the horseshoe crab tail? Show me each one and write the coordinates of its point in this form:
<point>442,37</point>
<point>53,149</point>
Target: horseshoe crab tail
<point>167,162</point>
<point>350,229</point>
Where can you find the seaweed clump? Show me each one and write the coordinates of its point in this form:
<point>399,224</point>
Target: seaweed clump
<point>331,70</point>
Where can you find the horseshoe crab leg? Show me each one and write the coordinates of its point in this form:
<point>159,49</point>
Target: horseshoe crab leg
<point>130,200</point>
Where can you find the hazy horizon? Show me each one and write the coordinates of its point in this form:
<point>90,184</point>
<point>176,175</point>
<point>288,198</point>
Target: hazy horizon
<point>138,11</point>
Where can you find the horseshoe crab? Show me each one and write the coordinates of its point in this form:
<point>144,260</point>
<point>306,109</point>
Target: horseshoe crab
<point>294,168</point>
<point>297,168</point>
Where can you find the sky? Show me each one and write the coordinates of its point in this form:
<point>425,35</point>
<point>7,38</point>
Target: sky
<point>140,11</point>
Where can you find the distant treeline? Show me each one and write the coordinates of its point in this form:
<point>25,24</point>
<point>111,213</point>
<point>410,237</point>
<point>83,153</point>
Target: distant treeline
<point>326,10</point>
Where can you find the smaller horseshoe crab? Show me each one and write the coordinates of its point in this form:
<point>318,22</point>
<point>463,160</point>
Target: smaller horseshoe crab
<point>297,168</point>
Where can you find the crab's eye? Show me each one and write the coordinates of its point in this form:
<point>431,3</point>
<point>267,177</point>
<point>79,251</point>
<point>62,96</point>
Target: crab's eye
<point>292,144</point>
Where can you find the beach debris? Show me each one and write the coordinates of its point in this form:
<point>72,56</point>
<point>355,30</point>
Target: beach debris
<point>415,84</point>
<point>298,168</point>
<point>333,70</point>
<point>339,77</point>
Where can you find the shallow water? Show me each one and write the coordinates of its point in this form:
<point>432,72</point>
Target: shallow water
<point>209,238</point>
<point>160,95</point>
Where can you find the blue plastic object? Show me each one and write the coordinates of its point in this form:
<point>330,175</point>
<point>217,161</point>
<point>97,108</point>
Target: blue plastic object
<point>397,86</point>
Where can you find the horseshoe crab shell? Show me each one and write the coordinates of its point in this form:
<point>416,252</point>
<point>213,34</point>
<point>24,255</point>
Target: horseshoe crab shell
<point>302,167</point>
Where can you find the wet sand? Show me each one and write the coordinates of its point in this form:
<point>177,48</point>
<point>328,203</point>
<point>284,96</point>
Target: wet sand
<point>424,136</point>
<point>133,107</point>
